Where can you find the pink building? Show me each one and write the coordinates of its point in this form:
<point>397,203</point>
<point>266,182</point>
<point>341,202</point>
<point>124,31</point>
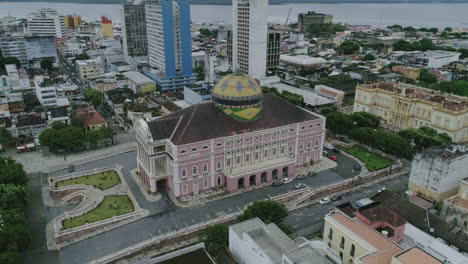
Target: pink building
<point>241,140</point>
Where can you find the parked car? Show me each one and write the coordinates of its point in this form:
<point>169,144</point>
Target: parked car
<point>382,189</point>
<point>337,198</point>
<point>329,146</point>
<point>299,186</point>
<point>277,183</point>
<point>312,174</point>
<point>332,158</point>
<point>357,167</point>
<point>325,201</point>
<point>286,180</point>
<point>71,168</point>
<point>301,176</point>
<point>325,153</point>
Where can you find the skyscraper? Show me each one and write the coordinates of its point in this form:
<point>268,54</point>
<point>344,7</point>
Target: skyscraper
<point>107,30</point>
<point>134,29</point>
<point>169,43</point>
<point>46,22</point>
<point>249,37</point>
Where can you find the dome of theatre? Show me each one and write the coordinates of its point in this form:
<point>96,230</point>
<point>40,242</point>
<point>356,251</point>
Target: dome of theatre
<point>238,96</point>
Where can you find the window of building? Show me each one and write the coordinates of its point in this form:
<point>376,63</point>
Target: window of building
<point>330,234</point>
<point>290,148</point>
<point>218,164</point>
<point>183,152</point>
<point>220,180</point>
<point>353,249</point>
<point>205,184</point>
<point>184,189</point>
<point>238,160</point>
<point>283,149</point>
<point>317,142</point>
<point>274,152</point>
<point>205,167</point>
<point>194,149</point>
<point>228,162</point>
<point>265,154</point>
<point>247,158</point>
<point>228,144</point>
<point>301,146</point>
<point>194,170</point>
<point>219,144</point>
<point>205,147</point>
<point>341,255</point>
<point>184,173</point>
<point>309,144</point>
<point>342,242</point>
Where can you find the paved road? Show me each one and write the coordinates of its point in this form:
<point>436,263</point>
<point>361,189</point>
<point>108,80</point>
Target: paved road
<point>308,220</point>
<point>164,216</point>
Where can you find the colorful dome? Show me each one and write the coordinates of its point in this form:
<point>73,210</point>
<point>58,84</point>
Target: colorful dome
<point>239,96</point>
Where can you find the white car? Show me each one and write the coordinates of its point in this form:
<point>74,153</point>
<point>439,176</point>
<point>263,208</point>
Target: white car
<point>299,186</point>
<point>286,180</point>
<point>329,146</point>
<point>325,201</point>
<point>382,189</point>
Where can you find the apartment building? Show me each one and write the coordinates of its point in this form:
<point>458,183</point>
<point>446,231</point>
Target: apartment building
<point>46,22</point>
<point>306,19</point>
<point>88,69</point>
<point>402,106</point>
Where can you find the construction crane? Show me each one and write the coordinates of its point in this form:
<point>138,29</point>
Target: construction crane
<point>287,19</point>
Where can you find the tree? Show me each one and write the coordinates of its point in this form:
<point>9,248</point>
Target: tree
<point>47,64</point>
<point>403,45</point>
<point>200,71</point>
<point>434,30</point>
<point>268,211</point>
<point>364,119</point>
<point>369,57</point>
<point>13,196</point>
<point>14,235</point>
<point>58,125</point>
<point>426,76</point>
<point>205,31</point>
<point>348,47</point>
<point>5,137</point>
<point>69,138</point>
<point>93,96</point>
<point>339,123</point>
<point>82,56</point>
<point>444,34</point>
<point>93,136</point>
<point>9,60</point>
<point>215,237</point>
<point>12,172</point>
<point>106,133</point>
<point>329,109</point>
<point>448,29</point>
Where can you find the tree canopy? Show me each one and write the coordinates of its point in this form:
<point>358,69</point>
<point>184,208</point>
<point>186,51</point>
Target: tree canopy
<point>369,57</point>
<point>268,211</point>
<point>11,172</point>
<point>5,137</point>
<point>426,76</point>
<point>47,64</point>
<point>324,29</point>
<point>348,47</point>
<point>93,96</point>
<point>215,237</point>
<point>82,56</point>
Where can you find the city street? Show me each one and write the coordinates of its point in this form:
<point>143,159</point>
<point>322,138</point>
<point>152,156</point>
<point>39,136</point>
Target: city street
<point>164,215</point>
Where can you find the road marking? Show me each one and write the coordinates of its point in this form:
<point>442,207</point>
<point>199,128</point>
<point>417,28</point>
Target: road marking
<point>312,214</point>
<point>295,226</point>
<point>315,219</point>
<point>220,213</point>
<point>193,220</point>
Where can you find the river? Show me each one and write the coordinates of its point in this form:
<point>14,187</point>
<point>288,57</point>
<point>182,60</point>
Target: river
<point>377,15</point>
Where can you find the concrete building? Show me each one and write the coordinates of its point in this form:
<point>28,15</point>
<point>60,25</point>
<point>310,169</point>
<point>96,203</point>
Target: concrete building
<point>134,29</point>
<point>436,58</point>
<point>169,43</point>
<point>249,37</point>
<point>455,208</point>
<point>196,94</point>
<point>273,50</point>
<point>106,27</point>
<point>46,22</point>
<point>408,72</point>
<point>437,171</point>
<point>304,20</point>
<point>119,66</point>
<point>330,92</point>
<point>91,118</point>
<point>239,140</point>
<point>88,69</point>
<point>40,47</point>
<point>47,95</point>
<point>14,46</point>
<point>137,111</point>
<point>139,83</point>
<point>28,126</point>
<point>72,21</point>
<point>252,241</point>
<point>210,63</point>
<point>402,106</point>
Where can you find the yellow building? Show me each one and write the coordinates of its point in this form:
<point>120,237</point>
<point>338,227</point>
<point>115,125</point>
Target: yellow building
<point>107,30</point>
<point>402,106</point>
<point>88,69</point>
<point>408,72</point>
<point>356,242</point>
<point>72,21</point>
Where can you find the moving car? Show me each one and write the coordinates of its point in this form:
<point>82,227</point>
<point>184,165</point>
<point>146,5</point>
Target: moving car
<point>325,201</point>
<point>286,180</point>
<point>332,158</point>
<point>277,183</point>
<point>299,186</point>
<point>71,168</point>
<point>337,198</point>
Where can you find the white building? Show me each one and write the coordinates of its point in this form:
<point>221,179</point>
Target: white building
<point>47,96</point>
<point>249,37</point>
<point>88,69</point>
<point>47,22</point>
<point>252,241</point>
<point>437,58</point>
<point>437,171</point>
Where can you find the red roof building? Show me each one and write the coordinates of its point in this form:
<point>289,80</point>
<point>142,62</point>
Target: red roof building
<point>91,118</point>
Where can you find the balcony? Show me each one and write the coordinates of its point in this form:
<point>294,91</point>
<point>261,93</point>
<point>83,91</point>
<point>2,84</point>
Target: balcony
<point>259,166</point>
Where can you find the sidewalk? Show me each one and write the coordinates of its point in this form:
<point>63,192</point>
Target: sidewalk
<point>37,162</point>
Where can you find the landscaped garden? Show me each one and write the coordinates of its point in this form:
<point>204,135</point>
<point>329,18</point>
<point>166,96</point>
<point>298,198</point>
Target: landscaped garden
<point>104,180</point>
<point>112,205</point>
<point>373,161</point>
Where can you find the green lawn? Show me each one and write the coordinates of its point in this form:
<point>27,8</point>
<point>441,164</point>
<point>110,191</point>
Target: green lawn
<point>373,161</point>
<point>112,205</point>
<point>104,180</point>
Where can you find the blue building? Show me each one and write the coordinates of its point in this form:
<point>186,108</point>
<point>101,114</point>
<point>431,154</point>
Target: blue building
<point>169,43</point>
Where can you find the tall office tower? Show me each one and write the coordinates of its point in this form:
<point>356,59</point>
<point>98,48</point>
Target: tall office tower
<point>273,50</point>
<point>249,37</point>
<point>169,43</point>
<point>134,29</point>
<point>107,30</point>
<point>46,22</point>
<point>72,21</point>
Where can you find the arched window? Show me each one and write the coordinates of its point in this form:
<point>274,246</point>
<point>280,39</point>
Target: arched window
<point>194,149</point>
<point>183,152</point>
<point>184,189</point>
<point>194,170</point>
<point>205,184</point>
<point>205,167</point>
<point>353,249</point>
<point>220,180</point>
<point>184,173</point>
<point>330,234</point>
<point>218,164</point>
<point>205,147</point>
<point>219,144</point>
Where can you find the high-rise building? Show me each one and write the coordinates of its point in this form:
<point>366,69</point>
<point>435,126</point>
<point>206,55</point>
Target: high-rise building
<point>310,18</point>
<point>249,37</point>
<point>28,48</point>
<point>107,30</point>
<point>14,46</point>
<point>169,43</point>
<point>46,22</point>
<point>273,50</point>
<point>72,21</point>
<point>134,29</point>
